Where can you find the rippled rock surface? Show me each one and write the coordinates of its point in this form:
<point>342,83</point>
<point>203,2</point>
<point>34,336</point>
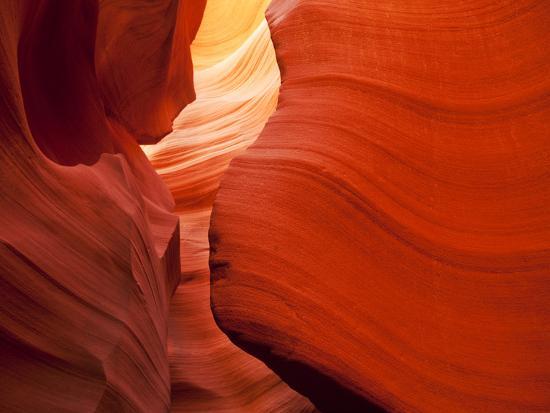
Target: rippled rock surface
<point>89,248</point>
<point>384,244</point>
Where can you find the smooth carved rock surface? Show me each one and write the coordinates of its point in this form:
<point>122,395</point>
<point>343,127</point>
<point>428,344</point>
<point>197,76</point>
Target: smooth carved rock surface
<point>225,27</point>
<point>385,242</point>
<point>143,61</point>
<point>88,252</point>
<point>236,93</point>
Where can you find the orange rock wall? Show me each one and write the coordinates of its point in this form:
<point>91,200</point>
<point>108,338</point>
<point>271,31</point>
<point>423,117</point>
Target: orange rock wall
<point>385,241</point>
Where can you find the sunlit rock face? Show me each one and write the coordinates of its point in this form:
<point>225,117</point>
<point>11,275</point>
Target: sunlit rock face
<point>236,82</point>
<point>226,25</point>
<point>384,244</point>
<point>88,244</point>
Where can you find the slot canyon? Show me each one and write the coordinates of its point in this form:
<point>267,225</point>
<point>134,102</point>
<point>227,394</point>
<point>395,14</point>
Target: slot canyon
<point>281,206</point>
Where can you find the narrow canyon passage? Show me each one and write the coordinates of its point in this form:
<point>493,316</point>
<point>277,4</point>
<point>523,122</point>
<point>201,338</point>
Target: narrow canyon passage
<point>288,206</point>
<point>236,81</point>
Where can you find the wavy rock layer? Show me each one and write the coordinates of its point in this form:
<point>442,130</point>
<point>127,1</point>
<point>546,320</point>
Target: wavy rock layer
<point>385,242</point>
<point>144,62</point>
<point>235,96</point>
<point>225,27</point>
<point>88,253</point>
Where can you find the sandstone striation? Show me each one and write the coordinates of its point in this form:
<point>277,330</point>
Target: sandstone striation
<point>384,244</point>
<point>237,82</point>
<point>89,248</point>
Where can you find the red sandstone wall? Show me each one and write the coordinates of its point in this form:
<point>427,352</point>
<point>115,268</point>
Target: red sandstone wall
<point>89,249</point>
<point>386,239</point>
